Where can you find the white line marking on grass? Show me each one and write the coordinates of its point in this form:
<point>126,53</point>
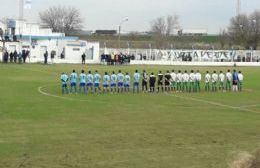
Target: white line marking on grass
<point>248,90</point>
<point>253,105</point>
<point>65,98</point>
<point>213,103</point>
<point>41,71</point>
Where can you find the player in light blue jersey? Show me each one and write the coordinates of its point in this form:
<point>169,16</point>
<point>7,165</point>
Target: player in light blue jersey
<point>113,80</point>
<point>97,78</point>
<point>136,81</point>
<point>106,80</point>
<point>120,81</point>
<point>127,83</point>
<point>82,82</point>
<point>73,82</point>
<point>64,79</point>
<point>90,79</point>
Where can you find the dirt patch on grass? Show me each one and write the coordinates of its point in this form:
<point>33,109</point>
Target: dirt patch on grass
<point>246,160</point>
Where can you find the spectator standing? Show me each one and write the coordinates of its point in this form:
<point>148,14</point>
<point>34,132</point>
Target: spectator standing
<point>15,56</point>
<point>11,57</point>
<point>83,58</point>
<point>45,57</point>
<point>52,56</point>
<point>24,56</point>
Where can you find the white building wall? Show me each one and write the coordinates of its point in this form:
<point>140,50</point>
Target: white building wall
<point>49,41</point>
<point>72,53</point>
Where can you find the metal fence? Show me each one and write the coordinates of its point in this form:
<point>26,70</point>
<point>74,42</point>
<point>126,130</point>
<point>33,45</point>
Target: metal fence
<point>188,55</point>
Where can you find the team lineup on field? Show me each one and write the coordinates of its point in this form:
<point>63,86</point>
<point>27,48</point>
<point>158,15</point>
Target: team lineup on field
<point>170,81</point>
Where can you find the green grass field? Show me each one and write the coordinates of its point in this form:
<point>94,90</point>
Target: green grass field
<point>39,128</point>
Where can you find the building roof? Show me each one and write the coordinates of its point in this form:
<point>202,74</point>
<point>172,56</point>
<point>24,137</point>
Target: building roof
<point>27,37</point>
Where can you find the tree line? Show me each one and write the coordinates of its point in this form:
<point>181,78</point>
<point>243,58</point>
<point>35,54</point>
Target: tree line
<point>243,31</point>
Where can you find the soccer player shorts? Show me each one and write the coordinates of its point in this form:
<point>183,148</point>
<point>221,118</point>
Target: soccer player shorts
<point>64,85</point>
<point>73,84</point>
<point>89,84</point>
<point>160,83</point>
<point>173,84</point>
<point>113,85</point>
<point>82,84</point>
<point>167,83</point>
<point>96,85</point>
<point>105,85</point>
<point>234,82</point>
<point>120,84</point>
<point>136,84</point>
<point>126,85</point>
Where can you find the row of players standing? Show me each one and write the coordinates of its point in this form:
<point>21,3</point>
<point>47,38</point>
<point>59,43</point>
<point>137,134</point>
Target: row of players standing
<point>180,81</point>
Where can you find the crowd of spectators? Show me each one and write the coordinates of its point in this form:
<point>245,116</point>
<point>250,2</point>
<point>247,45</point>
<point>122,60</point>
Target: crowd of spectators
<point>16,57</point>
<point>116,59</point>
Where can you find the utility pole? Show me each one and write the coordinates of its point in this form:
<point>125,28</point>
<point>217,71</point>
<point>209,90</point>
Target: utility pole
<point>238,7</point>
<point>21,9</point>
<point>119,32</point>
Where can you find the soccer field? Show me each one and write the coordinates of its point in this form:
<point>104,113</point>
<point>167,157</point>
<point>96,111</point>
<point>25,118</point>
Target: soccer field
<point>40,128</point>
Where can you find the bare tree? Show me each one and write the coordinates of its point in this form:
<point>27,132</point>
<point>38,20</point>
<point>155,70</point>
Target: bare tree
<point>163,27</point>
<point>159,26</point>
<point>245,30</point>
<point>62,19</point>
<point>255,28</point>
<point>223,38</point>
<point>238,30</point>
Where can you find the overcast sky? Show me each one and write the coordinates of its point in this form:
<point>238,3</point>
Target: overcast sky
<point>107,14</point>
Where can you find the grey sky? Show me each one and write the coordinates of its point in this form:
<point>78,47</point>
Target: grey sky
<point>107,14</point>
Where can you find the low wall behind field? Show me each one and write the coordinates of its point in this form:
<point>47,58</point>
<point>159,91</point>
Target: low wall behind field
<point>176,63</point>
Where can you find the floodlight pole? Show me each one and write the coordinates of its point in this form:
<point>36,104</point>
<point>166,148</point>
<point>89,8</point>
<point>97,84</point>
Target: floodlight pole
<point>119,32</point>
<point>21,9</point>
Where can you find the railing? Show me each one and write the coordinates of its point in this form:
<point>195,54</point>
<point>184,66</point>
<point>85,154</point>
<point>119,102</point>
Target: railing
<point>189,55</point>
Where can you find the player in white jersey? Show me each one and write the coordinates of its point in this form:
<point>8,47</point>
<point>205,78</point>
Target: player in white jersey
<point>192,79</point>
<point>97,79</point>
<point>221,78</point>
<point>73,82</point>
<point>106,80</point>
<point>228,80</point>
<point>173,81</point>
<point>64,79</point>
<point>179,81</point>
<point>214,79</point>
<point>82,81</point>
<point>207,81</point>
<point>198,80</point>
<point>113,81</point>
<point>136,81</point>
<point>240,81</point>
<point>90,82</point>
<point>185,83</point>
<point>120,82</point>
<point>127,80</point>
